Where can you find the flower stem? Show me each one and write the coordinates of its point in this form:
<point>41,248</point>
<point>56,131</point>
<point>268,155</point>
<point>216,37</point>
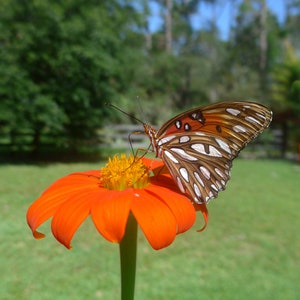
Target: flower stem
<point>128,250</point>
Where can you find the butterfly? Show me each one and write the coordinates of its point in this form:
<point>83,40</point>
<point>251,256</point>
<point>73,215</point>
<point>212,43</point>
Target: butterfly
<point>199,145</point>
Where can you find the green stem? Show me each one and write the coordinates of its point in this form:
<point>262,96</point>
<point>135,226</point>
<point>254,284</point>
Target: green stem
<point>128,249</point>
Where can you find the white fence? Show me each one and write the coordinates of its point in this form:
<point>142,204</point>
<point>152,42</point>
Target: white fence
<point>121,136</point>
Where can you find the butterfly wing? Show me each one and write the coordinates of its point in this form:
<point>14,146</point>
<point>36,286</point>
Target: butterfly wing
<point>198,146</point>
<point>239,122</point>
<point>198,164</point>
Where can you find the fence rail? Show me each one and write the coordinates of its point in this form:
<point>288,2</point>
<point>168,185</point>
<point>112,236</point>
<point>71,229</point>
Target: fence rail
<point>122,136</point>
<point>125,136</point>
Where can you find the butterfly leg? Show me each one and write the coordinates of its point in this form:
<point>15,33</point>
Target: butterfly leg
<point>135,152</point>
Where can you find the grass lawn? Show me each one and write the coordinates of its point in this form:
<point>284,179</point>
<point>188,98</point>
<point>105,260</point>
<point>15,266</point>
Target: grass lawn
<point>250,250</point>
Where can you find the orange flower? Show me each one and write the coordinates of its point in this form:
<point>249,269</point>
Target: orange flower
<point>123,186</point>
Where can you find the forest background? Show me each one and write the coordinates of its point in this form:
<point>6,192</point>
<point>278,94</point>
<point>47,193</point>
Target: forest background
<point>60,61</point>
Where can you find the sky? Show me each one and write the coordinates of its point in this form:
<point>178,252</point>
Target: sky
<point>222,14</point>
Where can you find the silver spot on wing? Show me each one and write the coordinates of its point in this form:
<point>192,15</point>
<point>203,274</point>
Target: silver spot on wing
<point>180,185</point>
<point>233,111</point>
<point>223,145</point>
<point>184,139</point>
<point>261,116</point>
<point>184,173</point>
<point>198,178</point>
<point>171,157</point>
<point>239,128</point>
<point>219,173</point>
<point>178,124</point>
<point>252,120</point>
<point>212,151</point>
<point>214,187</point>
<point>183,154</point>
<point>165,140</point>
<point>197,190</point>
<point>205,172</point>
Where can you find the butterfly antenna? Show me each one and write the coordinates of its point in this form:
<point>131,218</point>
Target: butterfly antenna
<point>129,115</point>
<point>140,107</point>
<point>124,112</point>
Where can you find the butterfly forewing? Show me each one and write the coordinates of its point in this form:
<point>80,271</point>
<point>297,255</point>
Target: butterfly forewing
<point>198,146</point>
<point>239,120</point>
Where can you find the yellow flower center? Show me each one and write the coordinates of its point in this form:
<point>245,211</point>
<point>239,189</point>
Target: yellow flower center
<point>124,172</point>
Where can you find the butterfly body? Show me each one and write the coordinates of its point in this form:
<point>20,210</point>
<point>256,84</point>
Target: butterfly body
<point>198,146</point>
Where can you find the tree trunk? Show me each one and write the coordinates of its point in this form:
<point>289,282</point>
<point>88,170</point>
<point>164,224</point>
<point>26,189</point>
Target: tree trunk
<point>168,34</point>
<point>263,43</point>
<point>36,143</point>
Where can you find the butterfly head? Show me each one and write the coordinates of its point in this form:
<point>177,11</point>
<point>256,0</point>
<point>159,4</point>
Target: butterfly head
<point>150,131</point>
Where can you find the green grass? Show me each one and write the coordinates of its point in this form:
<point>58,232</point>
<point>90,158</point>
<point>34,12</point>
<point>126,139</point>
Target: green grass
<point>250,250</point>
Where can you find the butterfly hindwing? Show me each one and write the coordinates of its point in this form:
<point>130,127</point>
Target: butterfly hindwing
<point>198,164</point>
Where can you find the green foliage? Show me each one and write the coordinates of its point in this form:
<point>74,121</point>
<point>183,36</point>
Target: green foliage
<point>292,22</point>
<point>286,86</point>
<point>247,64</point>
<point>60,61</point>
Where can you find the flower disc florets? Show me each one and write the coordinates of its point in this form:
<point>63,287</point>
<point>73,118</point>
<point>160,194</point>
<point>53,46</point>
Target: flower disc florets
<point>124,172</point>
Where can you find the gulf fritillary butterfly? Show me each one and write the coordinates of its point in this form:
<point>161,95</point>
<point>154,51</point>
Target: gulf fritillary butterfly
<point>199,145</point>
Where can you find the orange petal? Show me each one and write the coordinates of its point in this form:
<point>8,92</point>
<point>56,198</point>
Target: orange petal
<point>152,163</point>
<point>182,208</point>
<point>165,180</point>
<point>59,192</point>
<point>204,211</point>
<point>71,214</point>
<point>155,165</point>
<point>38,235</point>
<point>110,214</point>
<point>155,219</point>
<point>75,179</point>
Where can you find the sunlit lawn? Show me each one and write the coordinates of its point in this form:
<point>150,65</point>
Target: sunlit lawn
<point>250,250</point>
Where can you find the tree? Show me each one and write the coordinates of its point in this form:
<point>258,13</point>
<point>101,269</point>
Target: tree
<point>60,61</point>
<point>251,52</point>
<point>292,20</point>
<point>286,86</point>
